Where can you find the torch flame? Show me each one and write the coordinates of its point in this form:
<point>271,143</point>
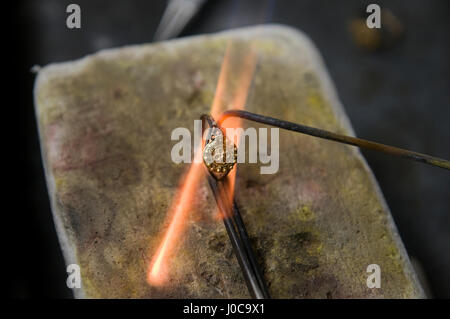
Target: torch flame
<point>159,266</point>
<point>238,102</point>
<point>159,269</point>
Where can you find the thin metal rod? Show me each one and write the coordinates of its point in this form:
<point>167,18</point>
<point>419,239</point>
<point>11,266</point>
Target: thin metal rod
<point>238,248</point>
<point>419,157</point>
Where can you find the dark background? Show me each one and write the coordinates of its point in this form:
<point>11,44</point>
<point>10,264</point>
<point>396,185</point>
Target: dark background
<point>399,96</point>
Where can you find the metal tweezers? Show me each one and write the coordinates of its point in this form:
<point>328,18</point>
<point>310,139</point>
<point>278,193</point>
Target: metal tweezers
<point>239,239</point>
<point>237,232</point>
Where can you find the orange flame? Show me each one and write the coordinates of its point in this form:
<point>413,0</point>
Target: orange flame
<point>159,266</point>
<point>239,101</point>
<point>158,270</point>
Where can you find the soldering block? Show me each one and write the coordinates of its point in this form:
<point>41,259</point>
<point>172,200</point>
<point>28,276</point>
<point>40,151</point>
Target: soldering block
<point>105,124</point>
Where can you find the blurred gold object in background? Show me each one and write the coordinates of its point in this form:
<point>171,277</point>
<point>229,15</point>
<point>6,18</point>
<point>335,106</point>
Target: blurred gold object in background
<point>373,39</point>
